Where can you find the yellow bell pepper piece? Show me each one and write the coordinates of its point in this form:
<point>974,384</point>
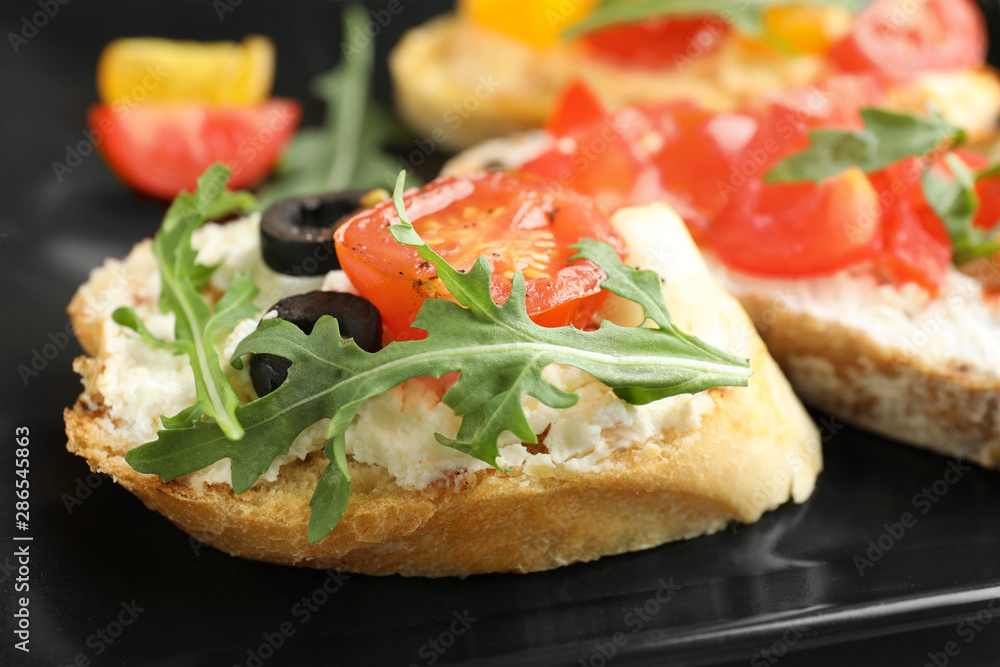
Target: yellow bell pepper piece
<point>225,73</point>
<point>806,27</point>
<point>535,22</point>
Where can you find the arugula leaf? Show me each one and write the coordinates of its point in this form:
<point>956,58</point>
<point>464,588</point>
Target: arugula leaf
<point>643,288</point>
<point>955,201</point>
<point>499,352</point>
<point>231,202</point>
<point>182,280</point>
<point>886,138</point>
<point>347,151</point>
<point>744,14</point>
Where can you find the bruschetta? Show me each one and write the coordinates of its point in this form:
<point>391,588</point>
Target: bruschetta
<point>496,67</point>
<point>463,439</point>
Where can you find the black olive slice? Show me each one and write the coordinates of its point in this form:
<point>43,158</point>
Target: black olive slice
<point>296,235</point>
<point>357,317</point>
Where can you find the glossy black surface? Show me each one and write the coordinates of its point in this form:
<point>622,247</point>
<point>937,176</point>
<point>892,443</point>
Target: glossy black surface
<point>788,583</point>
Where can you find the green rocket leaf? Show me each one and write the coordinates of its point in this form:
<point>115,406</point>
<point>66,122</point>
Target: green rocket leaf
<point>197,323</point>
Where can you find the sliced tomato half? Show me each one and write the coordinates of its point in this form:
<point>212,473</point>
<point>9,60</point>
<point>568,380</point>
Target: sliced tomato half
<point>900,39</point>
<point>518,222</point>
<point>593,154</point>
<point>577,107</point>
<point>796,230</point>
<point>698,157</point>
<point>988,215</point>
<point>162,148</point>
<point>915,245</point>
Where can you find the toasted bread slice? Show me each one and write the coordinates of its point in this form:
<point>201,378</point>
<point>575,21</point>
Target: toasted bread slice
<point>460,84</point>
<point>894,360</point>
<point>748,451</point>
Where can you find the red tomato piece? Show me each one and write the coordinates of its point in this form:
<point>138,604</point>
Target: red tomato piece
<point>782,130</point>
<point>832,102</point>
<point>699,155</point>
<point>162,148</point>
<point>796,230</point>
<point>596,159</point>
<point>657,43</point>
<point>988,189</point>
<point>988,215</point>
<point>915,245</point>
<point>577,106</point>
<point>518,222</point>
<point>899,39</point>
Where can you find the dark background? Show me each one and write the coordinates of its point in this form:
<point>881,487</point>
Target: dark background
<point>788,583</point>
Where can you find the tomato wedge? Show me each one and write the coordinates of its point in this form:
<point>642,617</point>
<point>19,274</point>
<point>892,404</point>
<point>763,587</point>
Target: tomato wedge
<point>518,222</point>
<point>162,148</point>
<point>915,244</point>
<point>577,107</point>
<point>659,42</point>
<point>900,39</point>
<point>796,230</point>
<point>595,152</point>
<point>596,160</point>
<point>988,215</point>
<point>699,157</point>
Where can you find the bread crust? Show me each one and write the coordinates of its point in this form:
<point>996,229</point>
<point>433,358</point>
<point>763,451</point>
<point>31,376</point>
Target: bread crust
<point>755,450</point>
<point>947,407</point>
<point>461,85</point>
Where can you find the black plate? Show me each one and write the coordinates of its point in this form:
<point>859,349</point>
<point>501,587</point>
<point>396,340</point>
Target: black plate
<point>112,583</point>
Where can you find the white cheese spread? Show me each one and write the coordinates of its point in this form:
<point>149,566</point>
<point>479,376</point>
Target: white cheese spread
<point>394,430</point>
<point>959,325</point>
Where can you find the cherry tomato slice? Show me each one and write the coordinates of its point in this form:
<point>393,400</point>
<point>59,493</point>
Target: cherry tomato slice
<point>915,245</point>
<point>578,106</point>
<point>899,39</point>
<point>162,148</point>
<point>595,153</point>
<point>596,159</point>
<point>988,215</point>
<point>796,230</point>
<point>518,222</point>
<point>658,43</point>
<point>698,155</point>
